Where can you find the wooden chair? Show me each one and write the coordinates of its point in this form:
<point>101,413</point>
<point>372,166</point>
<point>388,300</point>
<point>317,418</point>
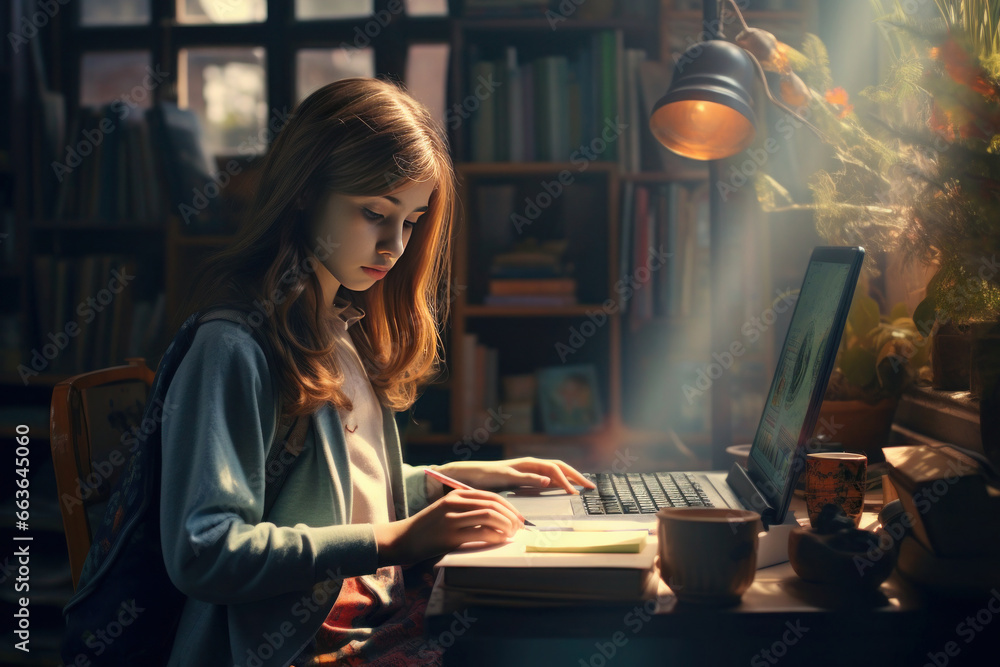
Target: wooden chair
<point>90,413</point>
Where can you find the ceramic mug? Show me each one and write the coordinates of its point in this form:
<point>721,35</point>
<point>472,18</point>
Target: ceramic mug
<point>708,555</point>
<point>838,478</point>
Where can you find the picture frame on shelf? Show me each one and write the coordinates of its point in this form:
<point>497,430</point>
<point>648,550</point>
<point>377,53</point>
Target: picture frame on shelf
<point>569,399</point>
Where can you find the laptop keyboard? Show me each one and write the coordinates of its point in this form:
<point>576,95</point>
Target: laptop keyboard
<point>642,493</point>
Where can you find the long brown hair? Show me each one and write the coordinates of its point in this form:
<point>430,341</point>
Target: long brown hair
<point>356,137</point>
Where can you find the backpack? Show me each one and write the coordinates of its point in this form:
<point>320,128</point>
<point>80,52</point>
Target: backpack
<point>125,610</point>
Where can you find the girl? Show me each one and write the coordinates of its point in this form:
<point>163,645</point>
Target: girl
<point>345,257</point>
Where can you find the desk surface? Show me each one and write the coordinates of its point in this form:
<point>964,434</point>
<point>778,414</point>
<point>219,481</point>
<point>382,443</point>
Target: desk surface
<point>894,625</point>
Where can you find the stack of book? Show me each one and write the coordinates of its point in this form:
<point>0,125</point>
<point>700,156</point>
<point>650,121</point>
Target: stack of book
<point>559,566</point>
<point>531,292</point>
<point>531,274</point>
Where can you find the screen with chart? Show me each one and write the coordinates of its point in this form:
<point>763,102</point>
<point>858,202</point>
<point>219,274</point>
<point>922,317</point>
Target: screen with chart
<point>799,369</point>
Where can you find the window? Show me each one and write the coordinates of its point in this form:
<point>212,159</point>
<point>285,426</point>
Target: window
<point>114,12</point>
<point>238,63</point>
<point>221,11</point>
<point>226,88</point>
<point>324,9</point>
<point>106,76</point>
<point>315,68</point>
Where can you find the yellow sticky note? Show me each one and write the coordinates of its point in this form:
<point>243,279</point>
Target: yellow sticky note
<point>620,541</point>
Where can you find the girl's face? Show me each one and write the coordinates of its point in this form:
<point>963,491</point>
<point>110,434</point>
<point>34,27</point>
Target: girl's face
<point>365,236</point>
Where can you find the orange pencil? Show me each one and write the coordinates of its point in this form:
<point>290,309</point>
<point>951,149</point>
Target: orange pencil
<point>455,484</point>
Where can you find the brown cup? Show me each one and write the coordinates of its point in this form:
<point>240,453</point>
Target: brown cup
<point>838,478</point>
<point>708,555</point>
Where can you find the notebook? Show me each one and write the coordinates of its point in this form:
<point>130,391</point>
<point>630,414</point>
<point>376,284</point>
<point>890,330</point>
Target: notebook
<point>509,570</point>
<point>777,454</point>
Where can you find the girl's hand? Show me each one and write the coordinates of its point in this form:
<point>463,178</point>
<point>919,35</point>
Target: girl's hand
<point>525,471</point>
<point>459,517</point>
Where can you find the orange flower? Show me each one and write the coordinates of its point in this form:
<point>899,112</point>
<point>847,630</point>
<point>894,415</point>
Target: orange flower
<point>838,97</point>
<point>941,122</point>
<point>963,68</point>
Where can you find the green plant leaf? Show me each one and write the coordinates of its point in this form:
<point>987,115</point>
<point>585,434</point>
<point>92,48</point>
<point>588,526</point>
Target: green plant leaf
<point>924,316</point>
<point>864,315</point>
<point>858,366</point>
<point>898,311</point>
<point>769,191</point>
<point>816,71</point>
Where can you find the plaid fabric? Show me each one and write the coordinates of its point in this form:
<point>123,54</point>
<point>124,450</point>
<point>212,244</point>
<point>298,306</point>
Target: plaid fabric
<point>378,620</point>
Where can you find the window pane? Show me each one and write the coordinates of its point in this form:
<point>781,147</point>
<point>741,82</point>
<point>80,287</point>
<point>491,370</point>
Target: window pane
<point>427,7</point>
<point>314,68</point>
<point>226,88</point>
<point>221,11</point>
<point>324,9</point>
<point>427,76</point>
<point>106,76</point>
<point>114,12</point>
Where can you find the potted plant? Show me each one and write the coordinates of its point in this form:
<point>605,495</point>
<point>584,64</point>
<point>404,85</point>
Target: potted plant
<point>878,358</point>
<point>916,166</point>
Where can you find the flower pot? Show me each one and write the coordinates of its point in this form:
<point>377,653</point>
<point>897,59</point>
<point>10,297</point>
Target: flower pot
<point>950,354</point>
<point>984,358</point>
<point>858,426</point>
<point>986,386</point>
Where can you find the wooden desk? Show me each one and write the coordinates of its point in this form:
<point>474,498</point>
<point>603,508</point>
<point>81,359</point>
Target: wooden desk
<point>780,620</point>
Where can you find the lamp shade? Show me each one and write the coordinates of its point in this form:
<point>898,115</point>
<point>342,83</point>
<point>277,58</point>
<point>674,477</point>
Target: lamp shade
<point>707,112</point>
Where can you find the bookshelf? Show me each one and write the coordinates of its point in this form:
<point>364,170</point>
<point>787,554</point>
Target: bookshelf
<point>628,352</point>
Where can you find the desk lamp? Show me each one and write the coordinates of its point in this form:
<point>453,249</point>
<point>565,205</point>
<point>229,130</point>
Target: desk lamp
<point>707,113</point>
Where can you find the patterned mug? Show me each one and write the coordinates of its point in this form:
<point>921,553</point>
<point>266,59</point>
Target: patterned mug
<point>838,478</point>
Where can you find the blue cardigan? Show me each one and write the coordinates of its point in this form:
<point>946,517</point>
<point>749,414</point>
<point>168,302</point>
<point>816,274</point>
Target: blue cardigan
<point>258,590</point>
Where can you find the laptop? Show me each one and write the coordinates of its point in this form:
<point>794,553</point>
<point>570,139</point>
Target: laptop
<point>777,454</point>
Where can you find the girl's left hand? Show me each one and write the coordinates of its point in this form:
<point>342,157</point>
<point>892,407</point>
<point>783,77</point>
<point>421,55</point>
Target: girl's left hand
<point>525,471</point>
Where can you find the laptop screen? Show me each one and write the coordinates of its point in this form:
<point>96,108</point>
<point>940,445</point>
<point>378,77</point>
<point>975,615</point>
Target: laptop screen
<point>803,370</point>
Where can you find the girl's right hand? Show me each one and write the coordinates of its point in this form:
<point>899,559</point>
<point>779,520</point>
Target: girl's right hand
<point>460,516</point>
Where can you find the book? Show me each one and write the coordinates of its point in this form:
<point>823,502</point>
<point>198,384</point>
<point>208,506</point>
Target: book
<point>551,109</point>
<point>528,111</point>
<point>625,245</point>
<point>467,353</point>
<point>639,252</point>
<point>515,107</point>
<point>483,120</point>
<point>634,114</point>
<point>532,286</point>
<point>87,286</point>
<point>120,317</point>
<point>509,568</point>
<point>570,541</point>
<point>101,323</point>
<point>529,300</point>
